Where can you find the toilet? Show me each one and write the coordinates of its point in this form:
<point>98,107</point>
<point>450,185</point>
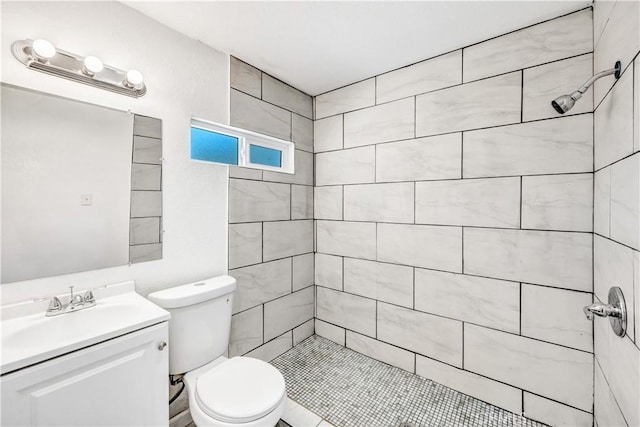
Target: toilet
<point>240,391</point>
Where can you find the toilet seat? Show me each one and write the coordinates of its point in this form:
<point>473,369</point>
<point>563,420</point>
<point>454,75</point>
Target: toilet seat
<point>239,390</point>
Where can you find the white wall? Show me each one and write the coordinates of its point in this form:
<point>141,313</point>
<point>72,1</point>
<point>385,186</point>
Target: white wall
<point>184,79</point>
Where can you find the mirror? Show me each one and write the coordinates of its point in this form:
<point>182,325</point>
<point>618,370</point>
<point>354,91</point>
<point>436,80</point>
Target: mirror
<point>81,186</point>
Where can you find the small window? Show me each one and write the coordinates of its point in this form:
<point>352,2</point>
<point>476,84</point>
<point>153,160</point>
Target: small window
<point>216,143</point>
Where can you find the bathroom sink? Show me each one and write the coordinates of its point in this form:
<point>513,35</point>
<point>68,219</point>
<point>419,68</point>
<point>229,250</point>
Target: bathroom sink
<point>30,337</point>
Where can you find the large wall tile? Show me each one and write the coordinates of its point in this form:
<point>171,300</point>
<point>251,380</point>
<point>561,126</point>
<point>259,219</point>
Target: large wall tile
<point>491,202</point>
<point>330,332</point>
<point>327,202</point>
<point>614,123</point>
<point>383,282</point>
<point>147,150</point>
<point>286,238</point>
<point>245,173</point>
<point>602,202</point>
<point>250,113</point>
<point>246,331</point>
<point>436,157</point>
<point>251,201</point>
<point>491,102</point>
<point>349,311</point>
<point>260,283</point>
<point>302,132</point>
<point>328,271</point>
<point>146,204</point>
<point>273,348</point>
<point>354,166</point>
<point>303,267</point>
<point>494,392</point>
<point>606,410</point>
<point>487,302</point>
<point>301,202</point>
<point>146,177</point>
<point>352,97</point>
<point>558,38</point>
<point>614,266</point>
<point>619,359</point>
<point>563,145</point>
<point>245,244</point>
<point>281,94</point>
<point>625,201</point>
<point>550,370</point>
<point>283,314</point>
<point>426,76</point>
<point>245,78</point>
<point>429,335</point>
<point>379,202</point>
<point>620,40</point>
<point>354,239</point>
<point>383,123</point>
<point>548,258</point>
<point>378,350</point>
<point>303,167</point>
<point>421,246</point>
<point>558,202</point>
<point>327,134</point>
<point>544,83</point>
<point>303,332</point>
<point>601,12</point>
<point>555,315</point>
<point>554,413</point>
<point>636,105</point>
<point>144,231</point>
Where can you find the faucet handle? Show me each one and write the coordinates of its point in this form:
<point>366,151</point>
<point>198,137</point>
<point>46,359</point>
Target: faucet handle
<point>55,305</point>
<point>88,297</point>
<point>587,312</point>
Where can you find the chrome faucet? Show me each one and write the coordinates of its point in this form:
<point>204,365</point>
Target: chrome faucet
<point>76,302</point>
<point>615,310</point>
<point>601,310</point>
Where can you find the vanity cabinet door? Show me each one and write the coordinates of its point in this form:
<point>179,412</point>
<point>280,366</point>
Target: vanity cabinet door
<point>120,382</point>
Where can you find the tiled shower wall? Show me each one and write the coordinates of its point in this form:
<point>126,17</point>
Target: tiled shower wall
<point>271,221</point>
<point>454,214</point>
<point>617,210</point>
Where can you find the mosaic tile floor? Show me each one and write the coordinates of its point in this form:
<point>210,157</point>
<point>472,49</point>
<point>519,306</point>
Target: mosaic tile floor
<point>349,389</point>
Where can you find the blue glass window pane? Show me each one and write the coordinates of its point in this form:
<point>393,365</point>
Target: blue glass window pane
<point>213,147</point>
<point>265,156</point>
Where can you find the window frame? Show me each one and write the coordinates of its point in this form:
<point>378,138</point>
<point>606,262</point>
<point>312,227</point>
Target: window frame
<point>246,138</point>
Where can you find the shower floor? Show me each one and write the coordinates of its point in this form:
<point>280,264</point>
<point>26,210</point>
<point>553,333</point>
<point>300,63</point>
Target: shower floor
<point>349,389</point>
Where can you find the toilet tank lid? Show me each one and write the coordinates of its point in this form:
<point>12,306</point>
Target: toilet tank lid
<point>193,293</point>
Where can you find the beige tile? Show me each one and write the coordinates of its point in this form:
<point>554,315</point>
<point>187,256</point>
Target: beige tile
<point>383,282</point>
<point>276,92</point>
<point>554,413</point>
<point>383,123</point>
<point>432,336</point>
<point>303,271</point>
<point>436,157</point>
<point>283,314</point>
<point>328,271</point>
<point>379,202</point>
<point>556,372</point>
<point>487,302</point>
<point>425,246</point>
<point>563,145</point>
<point>426,76</point>
<point>286,238</point>
<point>547,82</point>
<point>349,311</point>
<point>146,177</point>
<point>253,114</point>
<point>327,134</point>
<point>602,202</point>
<point>260,283</point>
<point>490,102</point>
<point>246,331</point>
<point>559,259</point>
<point>143,253</point>
<point>146,203</point>
<point>558,38</point>
<point>245,78</point>
<point>327,202</point>
<point>493,392</point>
<point>330,332</point>
<point>301,202</point>
<point>353,166</point>
<point>147,150</point>
<point>349,98</point>
<point>245,244</point>
<point>625,201</point>
<point>383,352</point>
<point>147,126</point>
<point>251,201</point>
<point>558,202</point>
<point>354,239</point>
<point>555,315</point>
<point>144,230</point>
<point>491,202</point>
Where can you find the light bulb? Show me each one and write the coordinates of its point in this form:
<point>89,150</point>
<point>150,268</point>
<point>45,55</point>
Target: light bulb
<point>133,79</point>
<point>43,49</point>
<point>92,65</point>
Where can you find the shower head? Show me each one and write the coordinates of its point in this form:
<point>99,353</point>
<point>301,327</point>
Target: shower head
<point>564,103</point>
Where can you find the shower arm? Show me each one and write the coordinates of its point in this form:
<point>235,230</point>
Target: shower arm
<point>616,70</point>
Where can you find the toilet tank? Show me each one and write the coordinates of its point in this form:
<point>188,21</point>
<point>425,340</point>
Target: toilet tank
<point>200,321</point>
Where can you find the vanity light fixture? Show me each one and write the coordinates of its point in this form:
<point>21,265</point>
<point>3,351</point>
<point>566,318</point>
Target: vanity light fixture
<point>41,55</point>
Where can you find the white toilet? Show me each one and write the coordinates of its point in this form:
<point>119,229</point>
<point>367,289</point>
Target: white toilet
<point>240,391</point>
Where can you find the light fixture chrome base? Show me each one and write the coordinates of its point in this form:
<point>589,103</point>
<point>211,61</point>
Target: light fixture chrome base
<point>70,66</point>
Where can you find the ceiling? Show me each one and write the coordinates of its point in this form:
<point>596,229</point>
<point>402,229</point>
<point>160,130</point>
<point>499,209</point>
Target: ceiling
<point>317,46</point>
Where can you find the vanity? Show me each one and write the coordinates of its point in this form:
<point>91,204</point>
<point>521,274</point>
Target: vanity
<point>104,365</point>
